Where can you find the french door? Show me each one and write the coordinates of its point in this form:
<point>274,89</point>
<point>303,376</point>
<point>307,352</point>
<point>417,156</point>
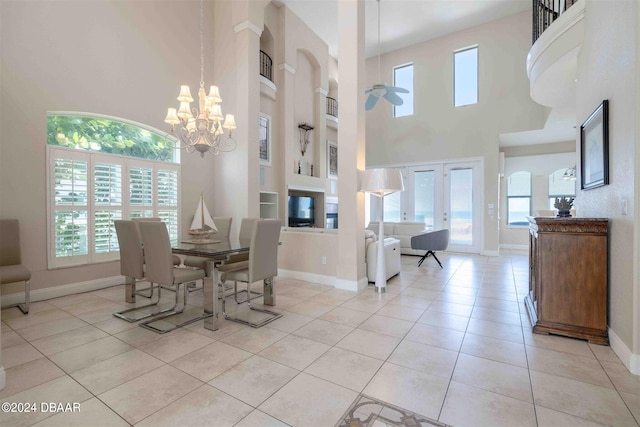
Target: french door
<point>442,195</point>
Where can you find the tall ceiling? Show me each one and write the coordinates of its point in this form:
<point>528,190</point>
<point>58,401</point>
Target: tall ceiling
<point>403,22</point>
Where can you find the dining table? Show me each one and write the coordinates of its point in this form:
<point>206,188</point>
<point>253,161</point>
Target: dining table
<point>215,252</point>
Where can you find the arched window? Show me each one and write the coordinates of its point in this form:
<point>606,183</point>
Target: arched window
<point>518,198</point>
<point>561,184</point>
<point>101,169</point>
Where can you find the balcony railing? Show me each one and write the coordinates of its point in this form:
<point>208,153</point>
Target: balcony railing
<point>332,107</point>
<point>266,66</point>
<point>545,12</point>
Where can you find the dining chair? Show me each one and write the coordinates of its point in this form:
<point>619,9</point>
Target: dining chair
<point>132,266</point>
<point>11,268</point>
<point>176,258</point>
<point>160,270</point>
<point>239,261</point>
<point>262,265</point>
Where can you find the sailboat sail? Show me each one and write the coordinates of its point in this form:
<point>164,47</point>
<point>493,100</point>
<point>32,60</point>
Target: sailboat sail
<point>202,218</point>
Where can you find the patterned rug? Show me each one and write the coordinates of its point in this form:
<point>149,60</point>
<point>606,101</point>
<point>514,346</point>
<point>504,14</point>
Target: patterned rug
<point>369,412</point>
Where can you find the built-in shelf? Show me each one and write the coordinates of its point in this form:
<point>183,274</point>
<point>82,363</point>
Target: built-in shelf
<point>268,205</point>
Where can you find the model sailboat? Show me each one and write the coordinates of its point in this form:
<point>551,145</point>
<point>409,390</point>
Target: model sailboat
<point>202,226</point>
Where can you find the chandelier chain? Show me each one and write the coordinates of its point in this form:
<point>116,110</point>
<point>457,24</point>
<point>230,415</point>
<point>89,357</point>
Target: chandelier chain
<point>201,43</point>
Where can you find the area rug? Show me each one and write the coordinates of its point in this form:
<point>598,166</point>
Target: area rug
<point>369,412</point>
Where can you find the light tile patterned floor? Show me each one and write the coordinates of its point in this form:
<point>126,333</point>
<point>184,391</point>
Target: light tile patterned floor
<point>452,344</point>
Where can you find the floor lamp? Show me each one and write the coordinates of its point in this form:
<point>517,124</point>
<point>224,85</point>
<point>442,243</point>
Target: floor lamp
<point>381,182</point>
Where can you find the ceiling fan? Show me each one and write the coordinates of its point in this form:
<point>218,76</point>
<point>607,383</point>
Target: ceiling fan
<point>382,90</point>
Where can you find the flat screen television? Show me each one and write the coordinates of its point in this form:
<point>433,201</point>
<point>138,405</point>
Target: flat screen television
<point>301,211</point>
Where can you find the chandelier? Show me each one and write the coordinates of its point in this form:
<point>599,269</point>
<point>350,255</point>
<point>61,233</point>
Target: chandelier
<point>201,129</point>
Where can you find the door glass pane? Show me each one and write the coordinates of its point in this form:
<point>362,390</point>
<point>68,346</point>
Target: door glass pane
<point>392,207</point>
<point>424,197</point>
<point>461,206</point>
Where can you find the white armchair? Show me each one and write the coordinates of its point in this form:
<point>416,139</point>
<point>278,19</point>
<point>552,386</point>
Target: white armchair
<point>392,255</point>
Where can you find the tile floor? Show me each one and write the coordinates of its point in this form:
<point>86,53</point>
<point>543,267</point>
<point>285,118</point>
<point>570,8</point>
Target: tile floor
<point>453,344</point>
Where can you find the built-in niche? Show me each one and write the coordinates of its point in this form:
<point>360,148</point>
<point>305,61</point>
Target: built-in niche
<point>305,209</point>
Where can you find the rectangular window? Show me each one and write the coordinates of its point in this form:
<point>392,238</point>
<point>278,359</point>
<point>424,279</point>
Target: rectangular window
<point>518,198</point>
<point>89,191</point>
<point>403,77</point>
<point>465,77</point>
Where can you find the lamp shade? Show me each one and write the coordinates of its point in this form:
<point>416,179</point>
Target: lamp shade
<point>381,181</point>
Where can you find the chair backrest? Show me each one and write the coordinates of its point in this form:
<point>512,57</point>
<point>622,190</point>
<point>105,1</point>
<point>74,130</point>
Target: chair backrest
<point>130,243</point>
<point>263,254</point>
<point>223,224</point>
<point>246,231</point>
<point>10,242</point>
<point>145,219</point>
<point>157,252</point>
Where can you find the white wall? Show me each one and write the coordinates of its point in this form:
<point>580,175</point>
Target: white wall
<point>540,166</point>
<point>607,69</point>
<point>113,58</point>
<point>437,130</point>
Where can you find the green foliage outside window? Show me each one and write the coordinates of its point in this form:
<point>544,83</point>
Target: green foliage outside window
<point>108,136</point>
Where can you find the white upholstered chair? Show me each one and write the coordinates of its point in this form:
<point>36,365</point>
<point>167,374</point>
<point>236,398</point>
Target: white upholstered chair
<point>159,269</point>
<point>262,265</point>
<point>132,266</point>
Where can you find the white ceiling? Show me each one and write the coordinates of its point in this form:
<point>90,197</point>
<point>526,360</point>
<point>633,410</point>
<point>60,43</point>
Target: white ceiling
<point>403,22</point>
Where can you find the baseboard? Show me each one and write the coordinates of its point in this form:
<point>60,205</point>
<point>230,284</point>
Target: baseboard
<point>491,253</point>
<point>62,290</point>
<point>307,277</point>
<point>630,360</point>
<point>351,285</point>
<point>3,378</point>
<point>516,247</point>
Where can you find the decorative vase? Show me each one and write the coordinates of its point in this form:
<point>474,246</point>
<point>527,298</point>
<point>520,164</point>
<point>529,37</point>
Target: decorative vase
<point>563,204</point>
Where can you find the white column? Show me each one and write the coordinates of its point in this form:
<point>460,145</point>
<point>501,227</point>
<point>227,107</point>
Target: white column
<point>350,271</point>
<point>236,47</point>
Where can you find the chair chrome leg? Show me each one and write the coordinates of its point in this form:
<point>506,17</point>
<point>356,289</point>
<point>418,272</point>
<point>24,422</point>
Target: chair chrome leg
<point>191,287</point>
<point>177,309</point>
<point>157,310</point>
<point>24,308</point>
<point>248,292</point>
<point>269,299</point>
<point>144,293</point>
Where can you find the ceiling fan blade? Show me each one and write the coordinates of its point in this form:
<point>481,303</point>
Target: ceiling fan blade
<point>397,89</point>
<point>393,98</point>
<point>372,100</point>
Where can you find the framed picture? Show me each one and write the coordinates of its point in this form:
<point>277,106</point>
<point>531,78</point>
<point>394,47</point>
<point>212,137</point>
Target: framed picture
<point>332,159</point>
<point>594,148</point>
<point>265,140</point>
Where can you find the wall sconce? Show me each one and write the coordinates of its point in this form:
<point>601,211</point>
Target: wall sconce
<point>304,136</point>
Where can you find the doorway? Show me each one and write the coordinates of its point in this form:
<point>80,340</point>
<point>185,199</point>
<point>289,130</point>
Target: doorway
<point>442,195</point>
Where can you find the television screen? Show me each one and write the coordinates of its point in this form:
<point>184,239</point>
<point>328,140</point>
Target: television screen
<point>301,211</point>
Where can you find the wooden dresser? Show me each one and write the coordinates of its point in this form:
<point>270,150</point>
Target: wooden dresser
<point>568,277</point>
